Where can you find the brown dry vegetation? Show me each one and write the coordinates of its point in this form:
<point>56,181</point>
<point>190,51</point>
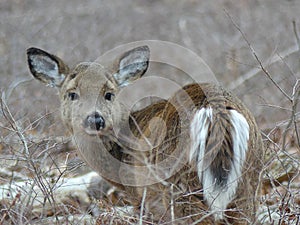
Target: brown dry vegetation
<point>252,46</point>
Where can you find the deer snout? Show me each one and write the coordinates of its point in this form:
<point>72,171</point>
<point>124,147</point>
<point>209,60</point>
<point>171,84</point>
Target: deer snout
<point>94,121</point>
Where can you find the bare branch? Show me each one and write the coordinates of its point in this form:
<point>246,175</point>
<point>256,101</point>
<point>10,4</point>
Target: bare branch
<point>142,206</point>
<point>296,34</point>
<point>252,73</point>
<point>7,114</point>
<point>256,57</point>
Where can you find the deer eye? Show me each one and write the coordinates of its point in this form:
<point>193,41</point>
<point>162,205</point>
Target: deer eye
<point>108,96</point>
<point>73,96</point>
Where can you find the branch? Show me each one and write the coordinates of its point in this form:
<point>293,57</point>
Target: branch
<point>257,58</point>
<point>296,34</point>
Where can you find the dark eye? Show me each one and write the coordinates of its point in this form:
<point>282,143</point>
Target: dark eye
<point>108,96</point>
<point>73,96</point>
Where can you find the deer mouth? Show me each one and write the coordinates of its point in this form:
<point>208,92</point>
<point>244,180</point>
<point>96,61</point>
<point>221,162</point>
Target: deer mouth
<point>92,132</point>
<point>95,130</point>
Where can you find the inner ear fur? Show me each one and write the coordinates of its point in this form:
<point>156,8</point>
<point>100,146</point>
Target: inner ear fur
<point>46,67</point>
<point>132,65</point>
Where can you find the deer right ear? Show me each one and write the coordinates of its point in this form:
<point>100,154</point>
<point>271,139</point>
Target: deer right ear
<point>45,67</point>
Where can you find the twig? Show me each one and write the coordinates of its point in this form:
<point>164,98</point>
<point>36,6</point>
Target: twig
<point>38,178</point>
<point>142,206</point>
<point>172,204</point>
<point>141,132</point>
<point>296,34</point>
<point>6,212</point>
<point>7,114</point>
<point>292,120</point>
<point>295,96</point>
<point>256,57</point>
<point>252,73</point>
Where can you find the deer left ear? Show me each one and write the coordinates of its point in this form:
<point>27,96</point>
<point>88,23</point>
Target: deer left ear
<point>132,65</point>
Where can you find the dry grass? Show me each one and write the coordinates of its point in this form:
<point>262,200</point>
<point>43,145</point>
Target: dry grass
<point>257,56</point>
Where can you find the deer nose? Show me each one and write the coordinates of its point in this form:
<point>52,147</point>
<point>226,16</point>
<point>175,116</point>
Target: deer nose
<point>94,121</point>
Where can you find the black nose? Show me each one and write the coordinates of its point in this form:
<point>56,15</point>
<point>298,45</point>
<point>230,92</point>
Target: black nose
<point>94,121</point>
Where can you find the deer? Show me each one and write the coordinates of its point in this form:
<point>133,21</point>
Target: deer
<point>209,134</point>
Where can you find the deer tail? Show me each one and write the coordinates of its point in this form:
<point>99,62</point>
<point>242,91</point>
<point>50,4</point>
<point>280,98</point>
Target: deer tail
<point>219,143</point>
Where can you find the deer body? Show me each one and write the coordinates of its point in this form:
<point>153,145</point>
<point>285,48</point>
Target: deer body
<point>212,135</point>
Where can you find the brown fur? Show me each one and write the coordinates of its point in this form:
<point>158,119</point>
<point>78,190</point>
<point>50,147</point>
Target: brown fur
<point>180,194</point>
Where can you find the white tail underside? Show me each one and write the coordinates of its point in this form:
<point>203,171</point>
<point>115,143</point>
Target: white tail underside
<point>218,196</point>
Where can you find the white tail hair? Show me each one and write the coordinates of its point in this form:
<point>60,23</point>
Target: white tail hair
<point>218,196</point>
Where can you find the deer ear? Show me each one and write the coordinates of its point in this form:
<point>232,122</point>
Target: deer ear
<point>47,68</point>
<point>132,65</point>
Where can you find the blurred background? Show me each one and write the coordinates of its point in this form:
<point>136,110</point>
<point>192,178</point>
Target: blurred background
<point>224,33</point>
<point>84,30</point>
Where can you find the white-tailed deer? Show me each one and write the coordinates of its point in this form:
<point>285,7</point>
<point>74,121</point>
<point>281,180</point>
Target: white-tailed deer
<point>211,138</point>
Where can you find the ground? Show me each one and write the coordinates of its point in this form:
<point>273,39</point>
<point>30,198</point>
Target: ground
<point>251,46</point>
